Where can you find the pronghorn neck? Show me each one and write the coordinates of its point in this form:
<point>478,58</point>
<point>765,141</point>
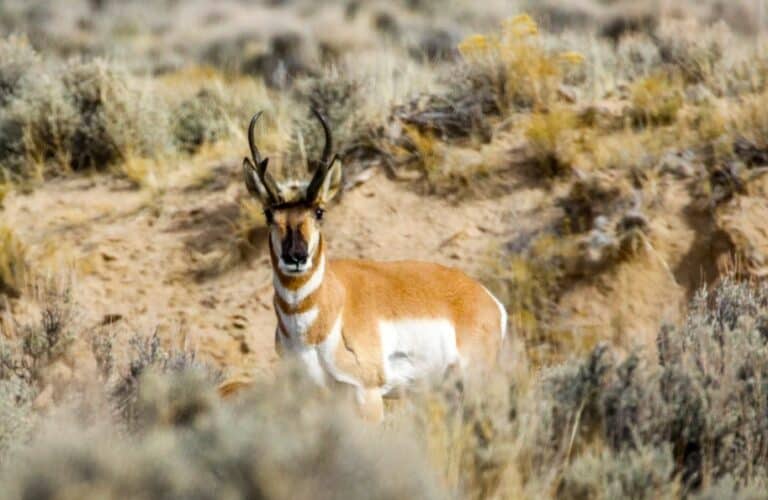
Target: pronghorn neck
<point>299,300</point>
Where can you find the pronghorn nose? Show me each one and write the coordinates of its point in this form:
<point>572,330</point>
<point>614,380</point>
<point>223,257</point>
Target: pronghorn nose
<point>294,249</point>
<point>295,258</point>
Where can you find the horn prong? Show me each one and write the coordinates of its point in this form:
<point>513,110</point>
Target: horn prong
<point>328,136</point>
<point>273,191</point>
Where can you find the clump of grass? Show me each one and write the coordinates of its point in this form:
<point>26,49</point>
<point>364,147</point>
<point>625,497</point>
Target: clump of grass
<point>644,473</point>
<point>498,74</point>
<point>750,124</point>
<point>551,138</point>
<point>24,359</point>
<point>135,403</point>
<point>425,150</point>
<point>17,418</point>
<point>14,268</point>
<point>656,100</point>
<point>450,117</point>
<point>636,57</point>
<point>42,343</point>
<point>693,50</point>
<point>528,279</point>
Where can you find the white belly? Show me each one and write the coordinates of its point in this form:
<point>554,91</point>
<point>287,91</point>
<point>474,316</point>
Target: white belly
<point>416,350</point>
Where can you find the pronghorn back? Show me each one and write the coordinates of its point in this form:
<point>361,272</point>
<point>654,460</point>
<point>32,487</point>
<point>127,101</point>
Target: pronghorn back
<point>422,290</point>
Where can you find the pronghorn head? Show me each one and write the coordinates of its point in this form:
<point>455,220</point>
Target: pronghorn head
<point>293,209</point>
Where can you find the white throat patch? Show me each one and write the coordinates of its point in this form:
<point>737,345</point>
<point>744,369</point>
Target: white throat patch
<point>294,297</point>
<point>298,324</point>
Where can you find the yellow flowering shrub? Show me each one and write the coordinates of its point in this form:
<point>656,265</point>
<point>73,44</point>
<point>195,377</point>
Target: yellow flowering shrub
<point>515,62</point>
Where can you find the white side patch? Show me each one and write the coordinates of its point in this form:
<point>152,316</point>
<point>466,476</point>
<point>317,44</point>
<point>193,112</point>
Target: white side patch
<point>313,244</point>
<point>415,350</point>
<point>297,324</point>
<point>502,313</point>
<point>294,297</point>
<point>326,351</point>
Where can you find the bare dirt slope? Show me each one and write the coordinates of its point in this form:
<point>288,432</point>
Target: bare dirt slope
<point>147,262</point>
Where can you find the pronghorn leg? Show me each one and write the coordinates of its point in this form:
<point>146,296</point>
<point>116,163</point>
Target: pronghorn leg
<point>371,404</point>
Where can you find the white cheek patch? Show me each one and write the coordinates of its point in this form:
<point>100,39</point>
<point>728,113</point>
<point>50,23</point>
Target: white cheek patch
<point>416,350</point>
<point>312,246</point>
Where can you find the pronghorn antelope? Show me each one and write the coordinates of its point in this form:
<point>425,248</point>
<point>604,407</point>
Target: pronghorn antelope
<point>378,327</point>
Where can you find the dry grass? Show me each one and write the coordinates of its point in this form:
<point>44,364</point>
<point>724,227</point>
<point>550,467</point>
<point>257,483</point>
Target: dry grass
<point>14,268</point>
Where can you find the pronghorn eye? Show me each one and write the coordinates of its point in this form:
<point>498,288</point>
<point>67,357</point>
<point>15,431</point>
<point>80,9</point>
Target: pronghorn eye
<point>319,213</point>
<point>269,216</point>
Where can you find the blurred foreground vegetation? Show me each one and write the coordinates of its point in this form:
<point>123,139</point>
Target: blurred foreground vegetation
<point>693,422</point>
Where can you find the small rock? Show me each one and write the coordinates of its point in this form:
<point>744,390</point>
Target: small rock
<point>567,93</point>
<point>107,257</point>
<point>109,319</point>
<point>679,164</point>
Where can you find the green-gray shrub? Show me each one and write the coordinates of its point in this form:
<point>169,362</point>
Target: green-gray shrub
<point>201,119</point>
<point>707,399</point>
<point>646,473</point>
<point>76,115</point>
<point>17,59</point>
<point>117,116</point>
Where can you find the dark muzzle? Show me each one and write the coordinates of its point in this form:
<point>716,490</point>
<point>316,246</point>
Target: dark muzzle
<point>294,248</point>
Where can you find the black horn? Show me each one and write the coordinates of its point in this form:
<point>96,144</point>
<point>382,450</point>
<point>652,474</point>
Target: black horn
<point>313,190</point>
<point>328,148</point>
<point>260,165</point>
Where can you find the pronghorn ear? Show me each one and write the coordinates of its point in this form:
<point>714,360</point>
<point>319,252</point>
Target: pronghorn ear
<point>331,183</point>
<point>252,182</point>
